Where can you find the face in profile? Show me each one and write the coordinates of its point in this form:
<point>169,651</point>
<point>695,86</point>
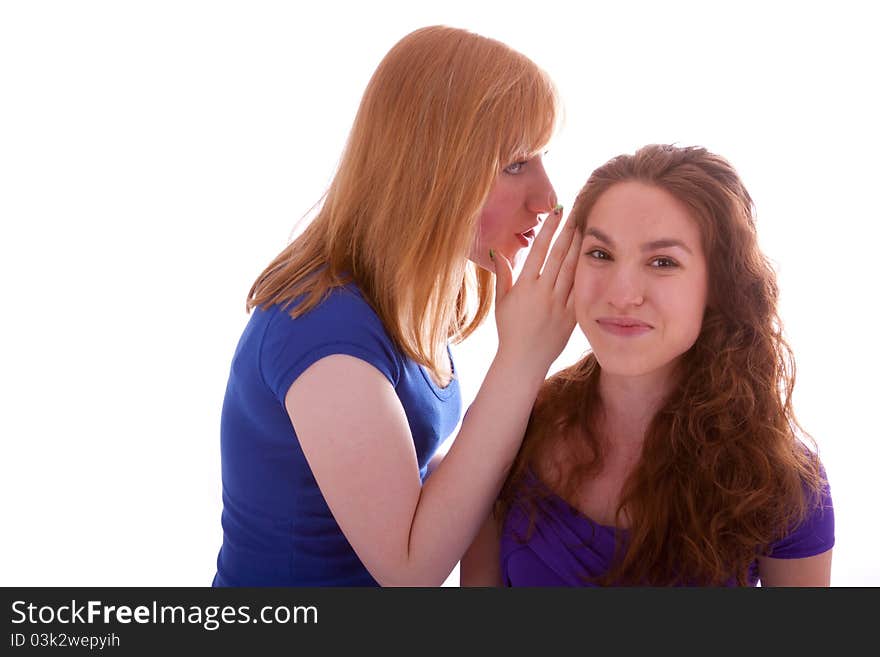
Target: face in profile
<point>642,280</point>
<point>509,219</point>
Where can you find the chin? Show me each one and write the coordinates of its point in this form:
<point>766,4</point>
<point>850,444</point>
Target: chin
<point>621,361</point>
<point>483,262</point>
<point>484,265</point>
<point>619,365</point>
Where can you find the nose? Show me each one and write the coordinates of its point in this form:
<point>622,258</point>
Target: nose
<point>541,195</point>
<point>626,289</point>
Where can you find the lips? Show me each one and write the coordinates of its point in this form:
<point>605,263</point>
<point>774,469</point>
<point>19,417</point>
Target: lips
<point>624,326</point>
<point>623,321</point>
<point>526,238</point>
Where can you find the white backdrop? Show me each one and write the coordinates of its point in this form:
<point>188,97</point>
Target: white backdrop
<point>154,156</point>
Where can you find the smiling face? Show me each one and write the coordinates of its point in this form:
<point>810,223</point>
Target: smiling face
<point>642,280</point>
<point>509,218</point>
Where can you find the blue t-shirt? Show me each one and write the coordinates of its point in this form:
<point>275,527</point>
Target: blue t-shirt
<point>277,527</point>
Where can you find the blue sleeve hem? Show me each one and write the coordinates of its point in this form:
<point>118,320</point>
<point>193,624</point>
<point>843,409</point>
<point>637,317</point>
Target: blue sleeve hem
<point>285,380</point>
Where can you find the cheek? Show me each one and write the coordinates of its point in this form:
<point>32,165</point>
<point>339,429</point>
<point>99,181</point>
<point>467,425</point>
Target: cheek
<point>587,288</point>
<point>488,225</point>
<point>690,306</point>
<point>694,321</point>
<point>490,232</point>
<point>496,212</point>
<point>491,222</point>
<point>589,280</point>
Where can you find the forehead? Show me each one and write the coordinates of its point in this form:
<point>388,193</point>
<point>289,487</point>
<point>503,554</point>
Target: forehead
<point>639,211</point>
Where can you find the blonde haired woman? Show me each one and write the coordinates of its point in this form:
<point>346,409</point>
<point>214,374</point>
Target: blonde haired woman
<point>342,386</point>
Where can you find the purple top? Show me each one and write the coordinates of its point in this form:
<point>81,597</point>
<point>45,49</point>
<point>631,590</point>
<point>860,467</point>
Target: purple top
<point>564,545</point>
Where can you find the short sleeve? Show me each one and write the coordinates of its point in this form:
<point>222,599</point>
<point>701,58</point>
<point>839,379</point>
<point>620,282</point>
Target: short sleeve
<point>814,535</point>
<point>343,323</point>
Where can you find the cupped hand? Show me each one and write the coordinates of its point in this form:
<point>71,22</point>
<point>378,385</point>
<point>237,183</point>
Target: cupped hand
<point>535,315</point>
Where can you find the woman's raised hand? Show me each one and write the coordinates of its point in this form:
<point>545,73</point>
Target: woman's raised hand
<point>535,315</point>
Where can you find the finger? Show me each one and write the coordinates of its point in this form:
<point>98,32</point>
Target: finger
<point>558,254</point>
<point>503,274</point>
<point>565,278</point>
<point>535,260</point>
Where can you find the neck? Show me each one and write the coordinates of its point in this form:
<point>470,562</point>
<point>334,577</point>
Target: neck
<point>629,403</point>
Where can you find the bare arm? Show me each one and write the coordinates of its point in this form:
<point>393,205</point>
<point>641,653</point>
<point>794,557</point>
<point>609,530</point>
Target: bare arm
<point>362,455</point>
<point>481,564</point>
<point>809,571</point>
<point>355,436</point>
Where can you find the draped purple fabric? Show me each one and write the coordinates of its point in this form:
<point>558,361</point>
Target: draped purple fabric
<point>565,548</point>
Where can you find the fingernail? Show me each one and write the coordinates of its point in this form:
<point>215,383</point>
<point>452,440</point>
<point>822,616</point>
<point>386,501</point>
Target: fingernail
<point>491,255</point>
<point>557,209</point>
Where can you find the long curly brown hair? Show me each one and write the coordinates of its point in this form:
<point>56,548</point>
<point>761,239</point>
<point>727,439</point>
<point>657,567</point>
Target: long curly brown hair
<point>725,469</point>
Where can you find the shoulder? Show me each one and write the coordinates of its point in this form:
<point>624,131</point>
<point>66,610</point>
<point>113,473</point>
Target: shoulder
<point>342,323</point>
<point>815,533</point>
<point>340,307</point>
<point>343,314</point>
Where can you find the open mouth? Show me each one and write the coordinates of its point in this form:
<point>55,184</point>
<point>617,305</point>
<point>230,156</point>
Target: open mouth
<point>526,237</point>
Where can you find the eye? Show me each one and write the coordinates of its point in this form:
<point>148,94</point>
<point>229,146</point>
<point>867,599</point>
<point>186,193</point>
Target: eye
<point>515,168</point>
<point>662,262</point>
<point>598,254</point>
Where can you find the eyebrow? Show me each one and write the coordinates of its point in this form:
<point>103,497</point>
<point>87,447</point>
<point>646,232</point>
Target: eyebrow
<point>663,243</point>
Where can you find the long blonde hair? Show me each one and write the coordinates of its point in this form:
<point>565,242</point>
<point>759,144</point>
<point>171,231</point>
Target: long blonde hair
<point>444,112</point>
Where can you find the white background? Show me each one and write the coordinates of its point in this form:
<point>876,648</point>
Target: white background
<point>154,156</point>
